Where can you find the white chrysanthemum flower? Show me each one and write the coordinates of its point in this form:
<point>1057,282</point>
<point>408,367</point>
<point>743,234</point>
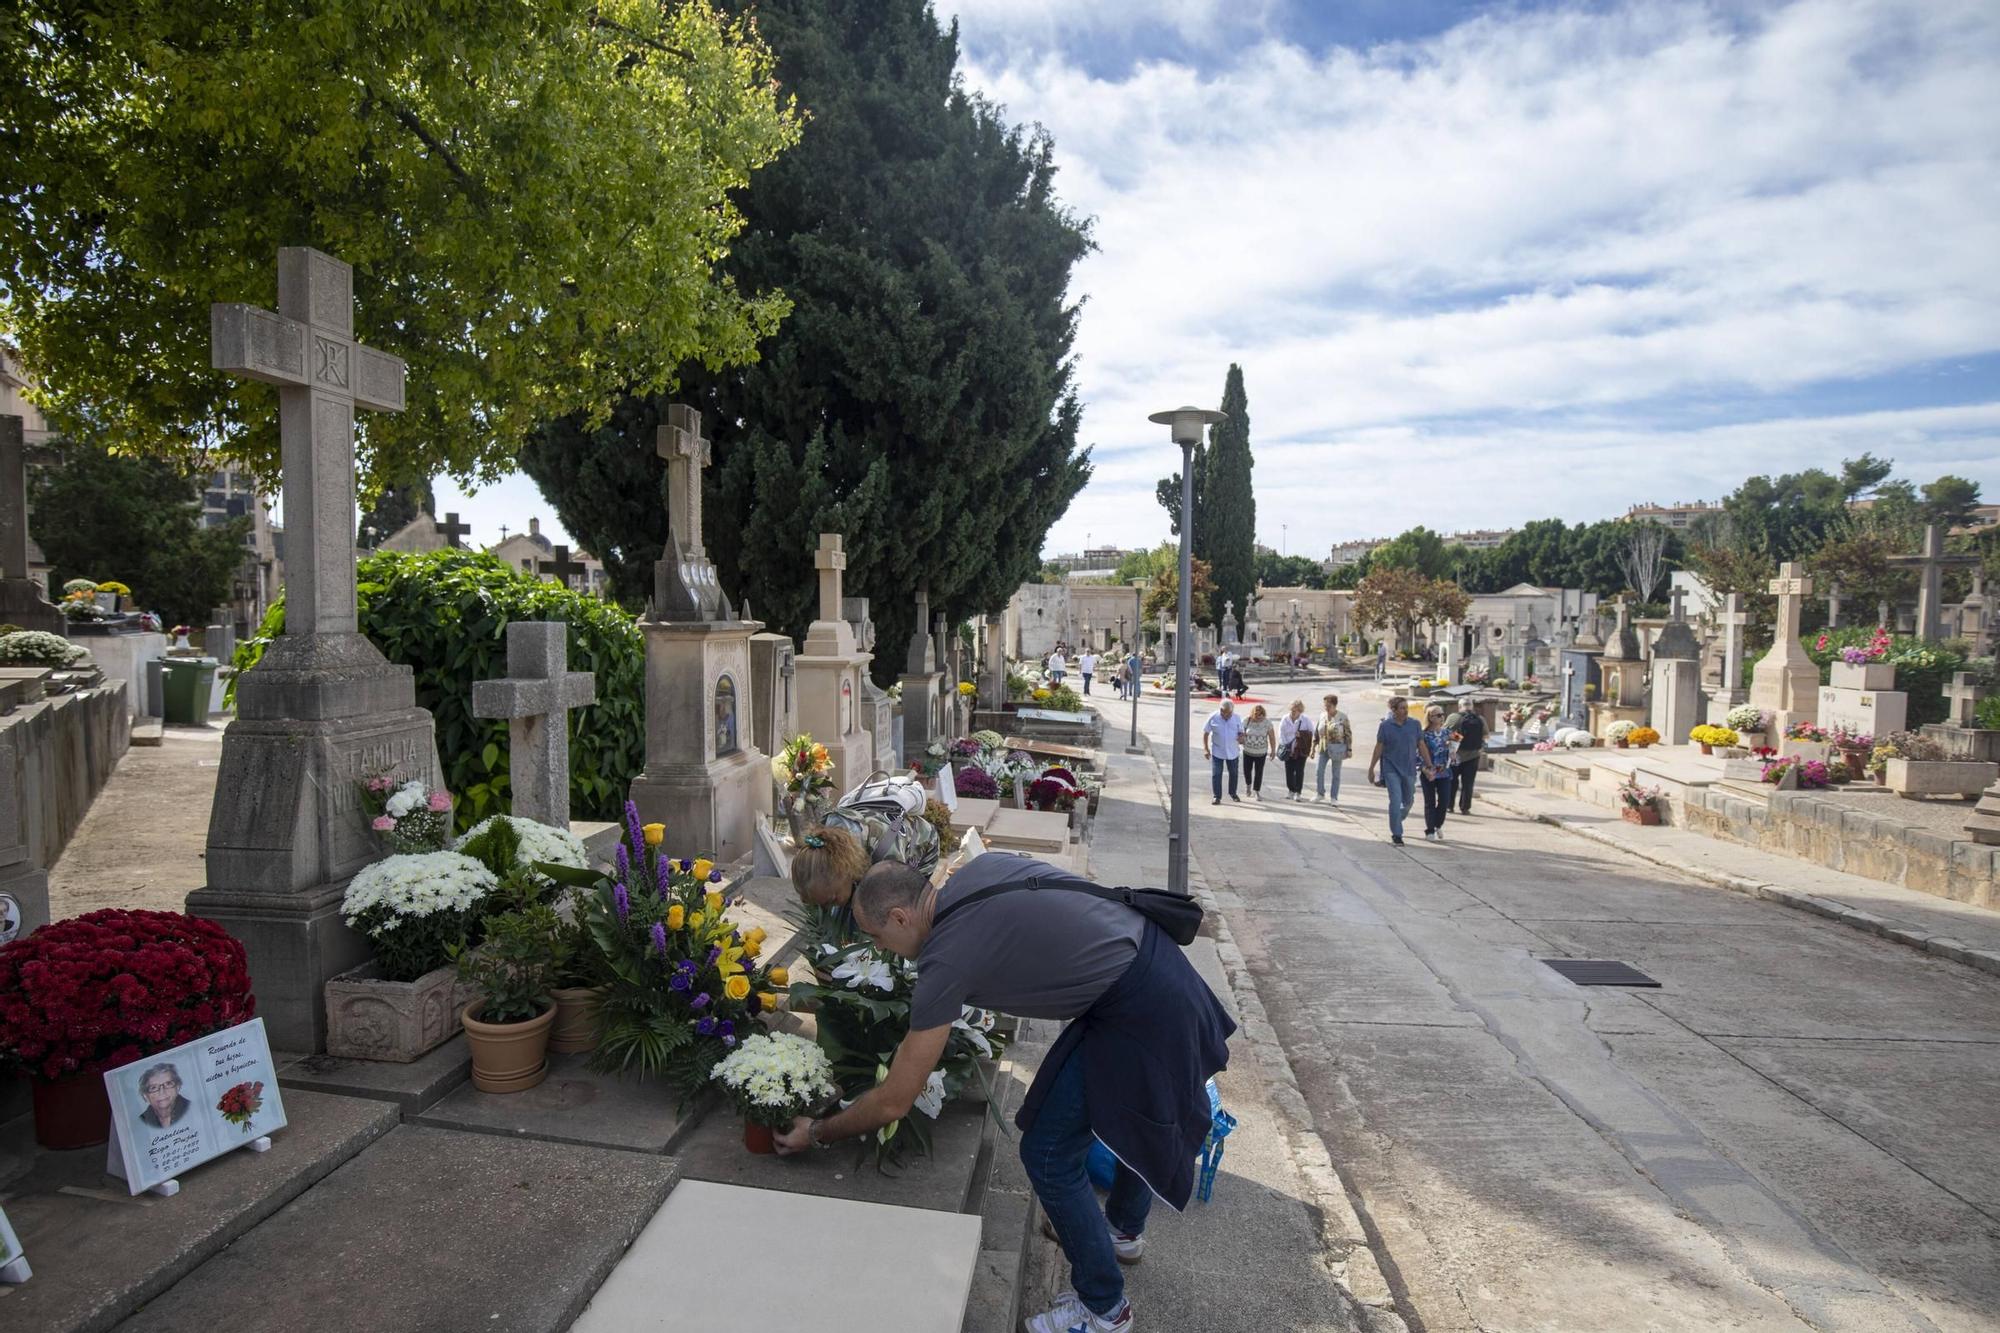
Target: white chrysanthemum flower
<point>973,1033</point>
<point>417,884</point>
<point>539,841</point>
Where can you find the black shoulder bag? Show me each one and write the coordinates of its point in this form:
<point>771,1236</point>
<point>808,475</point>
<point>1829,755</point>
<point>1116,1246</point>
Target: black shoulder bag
<point>1178,916</point>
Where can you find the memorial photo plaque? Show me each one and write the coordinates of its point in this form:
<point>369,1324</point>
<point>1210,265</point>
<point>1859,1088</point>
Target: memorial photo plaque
<point>725,715</point>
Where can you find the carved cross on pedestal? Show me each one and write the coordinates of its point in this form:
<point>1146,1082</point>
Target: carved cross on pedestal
<point>919,659</point>
<point>535,697</point>
<point>1791,588</point>
<point>830,560</point>
<point>1678,612</point>
<point>1733,619</point>
<point>1569,684</point>
<point>562,567</point>
<point>685,586</point>
<point>308,350</point>
<point>451,529</point>
<point>1964,695</point>
<point>1930,564</point>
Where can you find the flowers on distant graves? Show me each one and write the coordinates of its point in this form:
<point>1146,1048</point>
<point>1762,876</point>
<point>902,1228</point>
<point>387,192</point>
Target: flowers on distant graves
<point>989,741</point>
<point>967,747</point>
<point>1643,736</point>
<point>967,689</point>
<point>1804,731</point>
<point>1635,797</point>
<point>409,816</point>
<point>683,986</point>
<point>933,759</point>
<point>1747,717</point>
<point>417,909</point>
<point>775,1079</point>
<point>804,770</point>
<point>1620,731</point>
<point>1903,745</point>
<point>977,784</point>
<point>1713,736</point>
<point>241,1103</point>
<point>1056,789</point>
<point>103,989</point>
<point>1813,774</point>
<point>75,586</point>
<point>38,647</point>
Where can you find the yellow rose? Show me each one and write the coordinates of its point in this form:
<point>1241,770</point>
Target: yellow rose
<point>714,900</point>
<point>780,977</point>
<point>655,833</point>
<point>757,933</point>
<point>737,987</point>
<point>768,1000</point>
<point>703,867</point>
<point>751,948</point>
<point>676,917</point>
<point>694,922</point>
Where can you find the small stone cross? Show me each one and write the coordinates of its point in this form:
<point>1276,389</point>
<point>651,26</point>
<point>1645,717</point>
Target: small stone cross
<point>1678,612</point>
<point>1833,599</point>
<point>562,567</point>
<point>1930,564</point>
<point>918,659</point>
<point>1791,587</point>
<point>451,529</point>
<point>308,350</point>
<point>830,560</point>
<point>535,697</point>
<point>1964,694</point>
<point>1733,618</point>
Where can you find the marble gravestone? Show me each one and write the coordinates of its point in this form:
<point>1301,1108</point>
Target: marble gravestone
<point>535,697</point>
<point>1676,707</point>
<point>323,710</point>
<point>829,677</point>
<point>1863,698</point>
<point>878,711</point>
<point>993,680</point>
<point>705,778</point>
<point>1785,682</point>
<point>774,709</point>
<point>23,600</point>
<point>923,700</point>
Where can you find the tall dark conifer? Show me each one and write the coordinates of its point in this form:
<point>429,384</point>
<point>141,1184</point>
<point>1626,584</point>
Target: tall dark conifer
<point>1229,504</point>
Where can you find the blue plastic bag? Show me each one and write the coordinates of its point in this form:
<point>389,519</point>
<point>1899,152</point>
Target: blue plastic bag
<point>1103,1166</point>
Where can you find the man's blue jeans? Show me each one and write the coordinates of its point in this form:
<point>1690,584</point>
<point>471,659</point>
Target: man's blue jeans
<point>1054,1153</point>
<point>1215,775</point>
<point>1402,789</point>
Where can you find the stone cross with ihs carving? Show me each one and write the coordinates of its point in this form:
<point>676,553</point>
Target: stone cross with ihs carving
<point>1791,588</point>
<point>685,586</point>
<point>308,350</point>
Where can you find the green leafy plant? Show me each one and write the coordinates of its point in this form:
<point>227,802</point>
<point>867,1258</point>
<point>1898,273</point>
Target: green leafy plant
<point>445,614</point>
<point>514,966</point>
<point>1987,715</point>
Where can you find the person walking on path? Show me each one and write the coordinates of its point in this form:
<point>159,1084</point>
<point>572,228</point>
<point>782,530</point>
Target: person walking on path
<point>1086,666</point>
<point>1130,1070</point>
<point>1221,745</point>
<point>1295,743</point>
<point>1395,761</point>
<point>1471,731</point>
<point>1134,668</point>
<point>1381,659</point>
<point>1435,758</point>
<point>1057,665</point>
<point>1258,739</point>
<point>1333,741</point>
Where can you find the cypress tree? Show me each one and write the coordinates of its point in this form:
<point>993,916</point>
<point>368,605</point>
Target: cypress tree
<point>1229,505</point>
<point>918,398</point>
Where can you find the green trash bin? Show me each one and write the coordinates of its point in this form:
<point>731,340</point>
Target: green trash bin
<point>189,683</point>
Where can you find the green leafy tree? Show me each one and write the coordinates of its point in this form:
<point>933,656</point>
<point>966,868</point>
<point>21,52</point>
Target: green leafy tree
<point>1399,599</point>
<point>391,511</point>
<point>1163,597</point>
<point>1141,566</point>
<point>100,516</point>
<point>919,399</point>
<point>1289,571</point>
<point>1230,501</point>
<point>1950,501</point>
<point>534,195</point>
<point>1419,549</point>
<point>1168,492</point>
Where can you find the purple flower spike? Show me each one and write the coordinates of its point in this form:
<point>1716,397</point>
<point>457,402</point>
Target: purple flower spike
<point>624,862</point>
<point>705,1026</point>
<point>699,1002</point>
<point>621,900</point>
<point>660,938</point>
<point>632,829</point>
<point>714,954</point>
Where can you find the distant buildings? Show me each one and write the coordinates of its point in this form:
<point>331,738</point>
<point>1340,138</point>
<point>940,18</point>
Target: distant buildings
<point>1676,516</point>
<point>1483,539</point>
<point>230,494</point>
<point>533,553</point>
<point>1346,553</point>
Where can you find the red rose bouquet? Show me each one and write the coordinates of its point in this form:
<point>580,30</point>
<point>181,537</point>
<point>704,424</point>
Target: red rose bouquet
<point>240,1103</point>
<point>103,989</point>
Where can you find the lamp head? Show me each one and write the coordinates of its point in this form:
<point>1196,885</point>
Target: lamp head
<point>1187,422</point>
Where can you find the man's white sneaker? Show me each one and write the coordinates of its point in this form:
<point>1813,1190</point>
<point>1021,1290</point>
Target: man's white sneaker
<point>1071,1315</point>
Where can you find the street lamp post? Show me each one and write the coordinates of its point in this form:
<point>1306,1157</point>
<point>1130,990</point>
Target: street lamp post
<point>1187,424</point>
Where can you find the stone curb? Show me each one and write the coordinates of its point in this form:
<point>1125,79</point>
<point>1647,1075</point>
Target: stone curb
<point>1985,960</point>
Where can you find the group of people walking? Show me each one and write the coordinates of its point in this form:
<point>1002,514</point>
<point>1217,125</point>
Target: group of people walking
<point>1441,756</point>
<point>1230,740</point>
<point>1126,668</point>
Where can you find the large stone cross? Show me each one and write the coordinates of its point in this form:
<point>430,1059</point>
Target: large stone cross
<point>1964,695</point>
<point>562,568</point>
<point>685,586</point>
<point>1679,612</point>
<point>1791,588</point>
<point>308,350</point>
<point>830,560</point>
<point>535,697</point>
<point>1930,563</point>
<point>1733,619</point>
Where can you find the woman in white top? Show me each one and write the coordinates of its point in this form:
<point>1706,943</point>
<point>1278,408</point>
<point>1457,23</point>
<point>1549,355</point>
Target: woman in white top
<point>1333,741</point>
<point>1257,740</point>
<point>1295,739</point>
<point>1056,666</point>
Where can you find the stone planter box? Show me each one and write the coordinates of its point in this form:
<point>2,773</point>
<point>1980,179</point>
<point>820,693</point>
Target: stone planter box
<point>368,1018</point>
<point>1934,777</point>
<point>1869,676</point>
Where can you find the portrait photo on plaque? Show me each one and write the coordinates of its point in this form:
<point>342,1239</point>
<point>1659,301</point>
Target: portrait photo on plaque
<point>176,1109</point>
<point>725,715</point>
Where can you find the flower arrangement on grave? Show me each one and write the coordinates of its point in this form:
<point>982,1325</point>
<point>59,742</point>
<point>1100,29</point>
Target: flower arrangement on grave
<point>938,815</point>
<point>115,588</point>
<point>1632,796</point>
<point>82,606</point>
<point>1748,718</point>
<point>38,647</point>
<point>1643,737</point>
<point>772,1080</point>
<point>532,843</point>
<point>240,1105</point>
<point>1476,675</point>
<point>407,815</point>
<point>1813,774</point>
<point>1708,737</point>
<point>1589,690</point>
<point>1805,731</point>
<point>1544,747</point>
<point>1041,694</point>
<point>975,783</point>
<point>417,909</point>
<point>1876,649</point>
<point>989,741</point>
<point>513,964</point>
<point>967,689</point>
<point>103,989</point>
<point>861,998</point>
<point>932,761</point>
<point>1062,699</point>
<point>1620,733</point>
<point>966,749</point>
<point>1903,745</point>
<point>74,586</point>
<point>1055,790</point>
<point>804,770</point>
<point>683,985</point>
<point>1516,716</point>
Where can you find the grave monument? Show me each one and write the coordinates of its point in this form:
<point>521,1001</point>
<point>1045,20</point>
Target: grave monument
<point>829,676</point>
<point>923,704</point>
<point>1930,563</point>
<point>1785,682</point>
<point>535,697</point>
<point>1729,692</point>
<point>1622,675</point>
<point>878,710</point>
<point>1676,702</point>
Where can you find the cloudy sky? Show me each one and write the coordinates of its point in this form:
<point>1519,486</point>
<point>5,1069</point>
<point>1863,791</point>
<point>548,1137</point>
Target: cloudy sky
<point>1487,263</point>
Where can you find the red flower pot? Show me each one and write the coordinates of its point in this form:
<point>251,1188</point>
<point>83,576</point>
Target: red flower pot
<point>758,1138</point>
<point>1707,748</point>
<point>1644,814</point>
<point>71,1111</point>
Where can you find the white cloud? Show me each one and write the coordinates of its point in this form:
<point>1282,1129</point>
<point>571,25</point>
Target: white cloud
<point>1449,250</point>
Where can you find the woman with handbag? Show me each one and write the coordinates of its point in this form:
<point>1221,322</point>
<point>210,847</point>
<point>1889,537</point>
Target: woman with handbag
<point>1257,740</point>
<point>1295,741</point>
<point>1333,741</point>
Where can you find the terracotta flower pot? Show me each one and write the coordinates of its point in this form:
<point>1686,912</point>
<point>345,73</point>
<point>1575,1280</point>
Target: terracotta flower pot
<point>758,1138</point>
<point>1622,744</point>
<point>1706,748</point>
<point>71,1111</point>
<point>575,1027</point>
<point>1645,814</point>
<point>508,1057</point>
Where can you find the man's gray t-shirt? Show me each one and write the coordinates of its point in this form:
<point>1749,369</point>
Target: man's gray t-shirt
<point>1399,744</point>
<point>1037,953</point>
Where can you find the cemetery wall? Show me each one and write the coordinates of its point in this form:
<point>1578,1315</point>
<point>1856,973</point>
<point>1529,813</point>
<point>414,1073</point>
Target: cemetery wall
<point>1835,834</point>
<point>62,751</point>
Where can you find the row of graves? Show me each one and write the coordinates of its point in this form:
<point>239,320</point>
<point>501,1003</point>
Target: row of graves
<point>1831,772</point>
<point>340,1086</point>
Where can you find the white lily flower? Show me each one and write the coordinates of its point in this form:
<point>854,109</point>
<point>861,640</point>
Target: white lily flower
<point>865,969</point>
<point>931,1100</point>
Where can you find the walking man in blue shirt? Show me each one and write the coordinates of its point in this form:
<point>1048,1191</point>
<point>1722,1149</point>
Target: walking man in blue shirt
<point>1395,758</point>
<point>1221,745</point>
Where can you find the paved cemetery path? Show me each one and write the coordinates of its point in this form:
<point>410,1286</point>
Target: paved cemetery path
<point>142,842</point>
<point>1794,1132</point>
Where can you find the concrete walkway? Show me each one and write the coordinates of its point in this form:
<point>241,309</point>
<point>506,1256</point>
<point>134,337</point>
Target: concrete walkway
<point>143,841</point>
<point>1788,1134</point>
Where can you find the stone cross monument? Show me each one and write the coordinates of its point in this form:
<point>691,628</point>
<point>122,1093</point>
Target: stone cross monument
<point>705,778</point>
<point>923,704</point>
<point>829,677</point>
<point>1786,681</point>
<point>1729,692</point>
<point>323,711</point>
<point>535,697</point>
<point>23,600</point>
<point>1930,564</point>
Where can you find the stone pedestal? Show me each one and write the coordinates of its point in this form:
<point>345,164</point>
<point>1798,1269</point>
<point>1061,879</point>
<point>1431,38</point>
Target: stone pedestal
<point>774,714</point>
<point>704,779</point>
<point>831,670</point>
<point>878,710</point>
<point>315,718</point>
<point>1577,675</point>
<point>1971,743</point>
<point>1873,712</point>
<point>993,682</point>
<point>1676,704</point>
<point>1785,681</point>
<point>923,699</point>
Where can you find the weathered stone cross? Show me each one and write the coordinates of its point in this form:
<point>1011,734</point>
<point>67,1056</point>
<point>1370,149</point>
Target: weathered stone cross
<point>1930,563</point>
<point>1733,619</point>
<point>535,697</point>
<point>830,560</point>
<point>308,350</point>
<point>1791,588</point>
<point>685,585</point>
<point>1678,612</point>
<point>562,567</point>
<point>1964,694</point>
<point>451,529</point>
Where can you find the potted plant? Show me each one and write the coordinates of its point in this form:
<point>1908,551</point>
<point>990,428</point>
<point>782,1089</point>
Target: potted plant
<point>1708,737</point>
<point>1642,737</point>
<point>1749,723</point>
<point>521,854</point>
<point>773,1080</point>
<point>507,1024</point>
<point>417,910</point>
<point>96,991</point>
<point>1620,733</point>
<point>804,772</point>
<point>1640,805</point>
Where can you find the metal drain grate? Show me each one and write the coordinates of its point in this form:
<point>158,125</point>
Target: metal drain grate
<point>1600,972</point>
